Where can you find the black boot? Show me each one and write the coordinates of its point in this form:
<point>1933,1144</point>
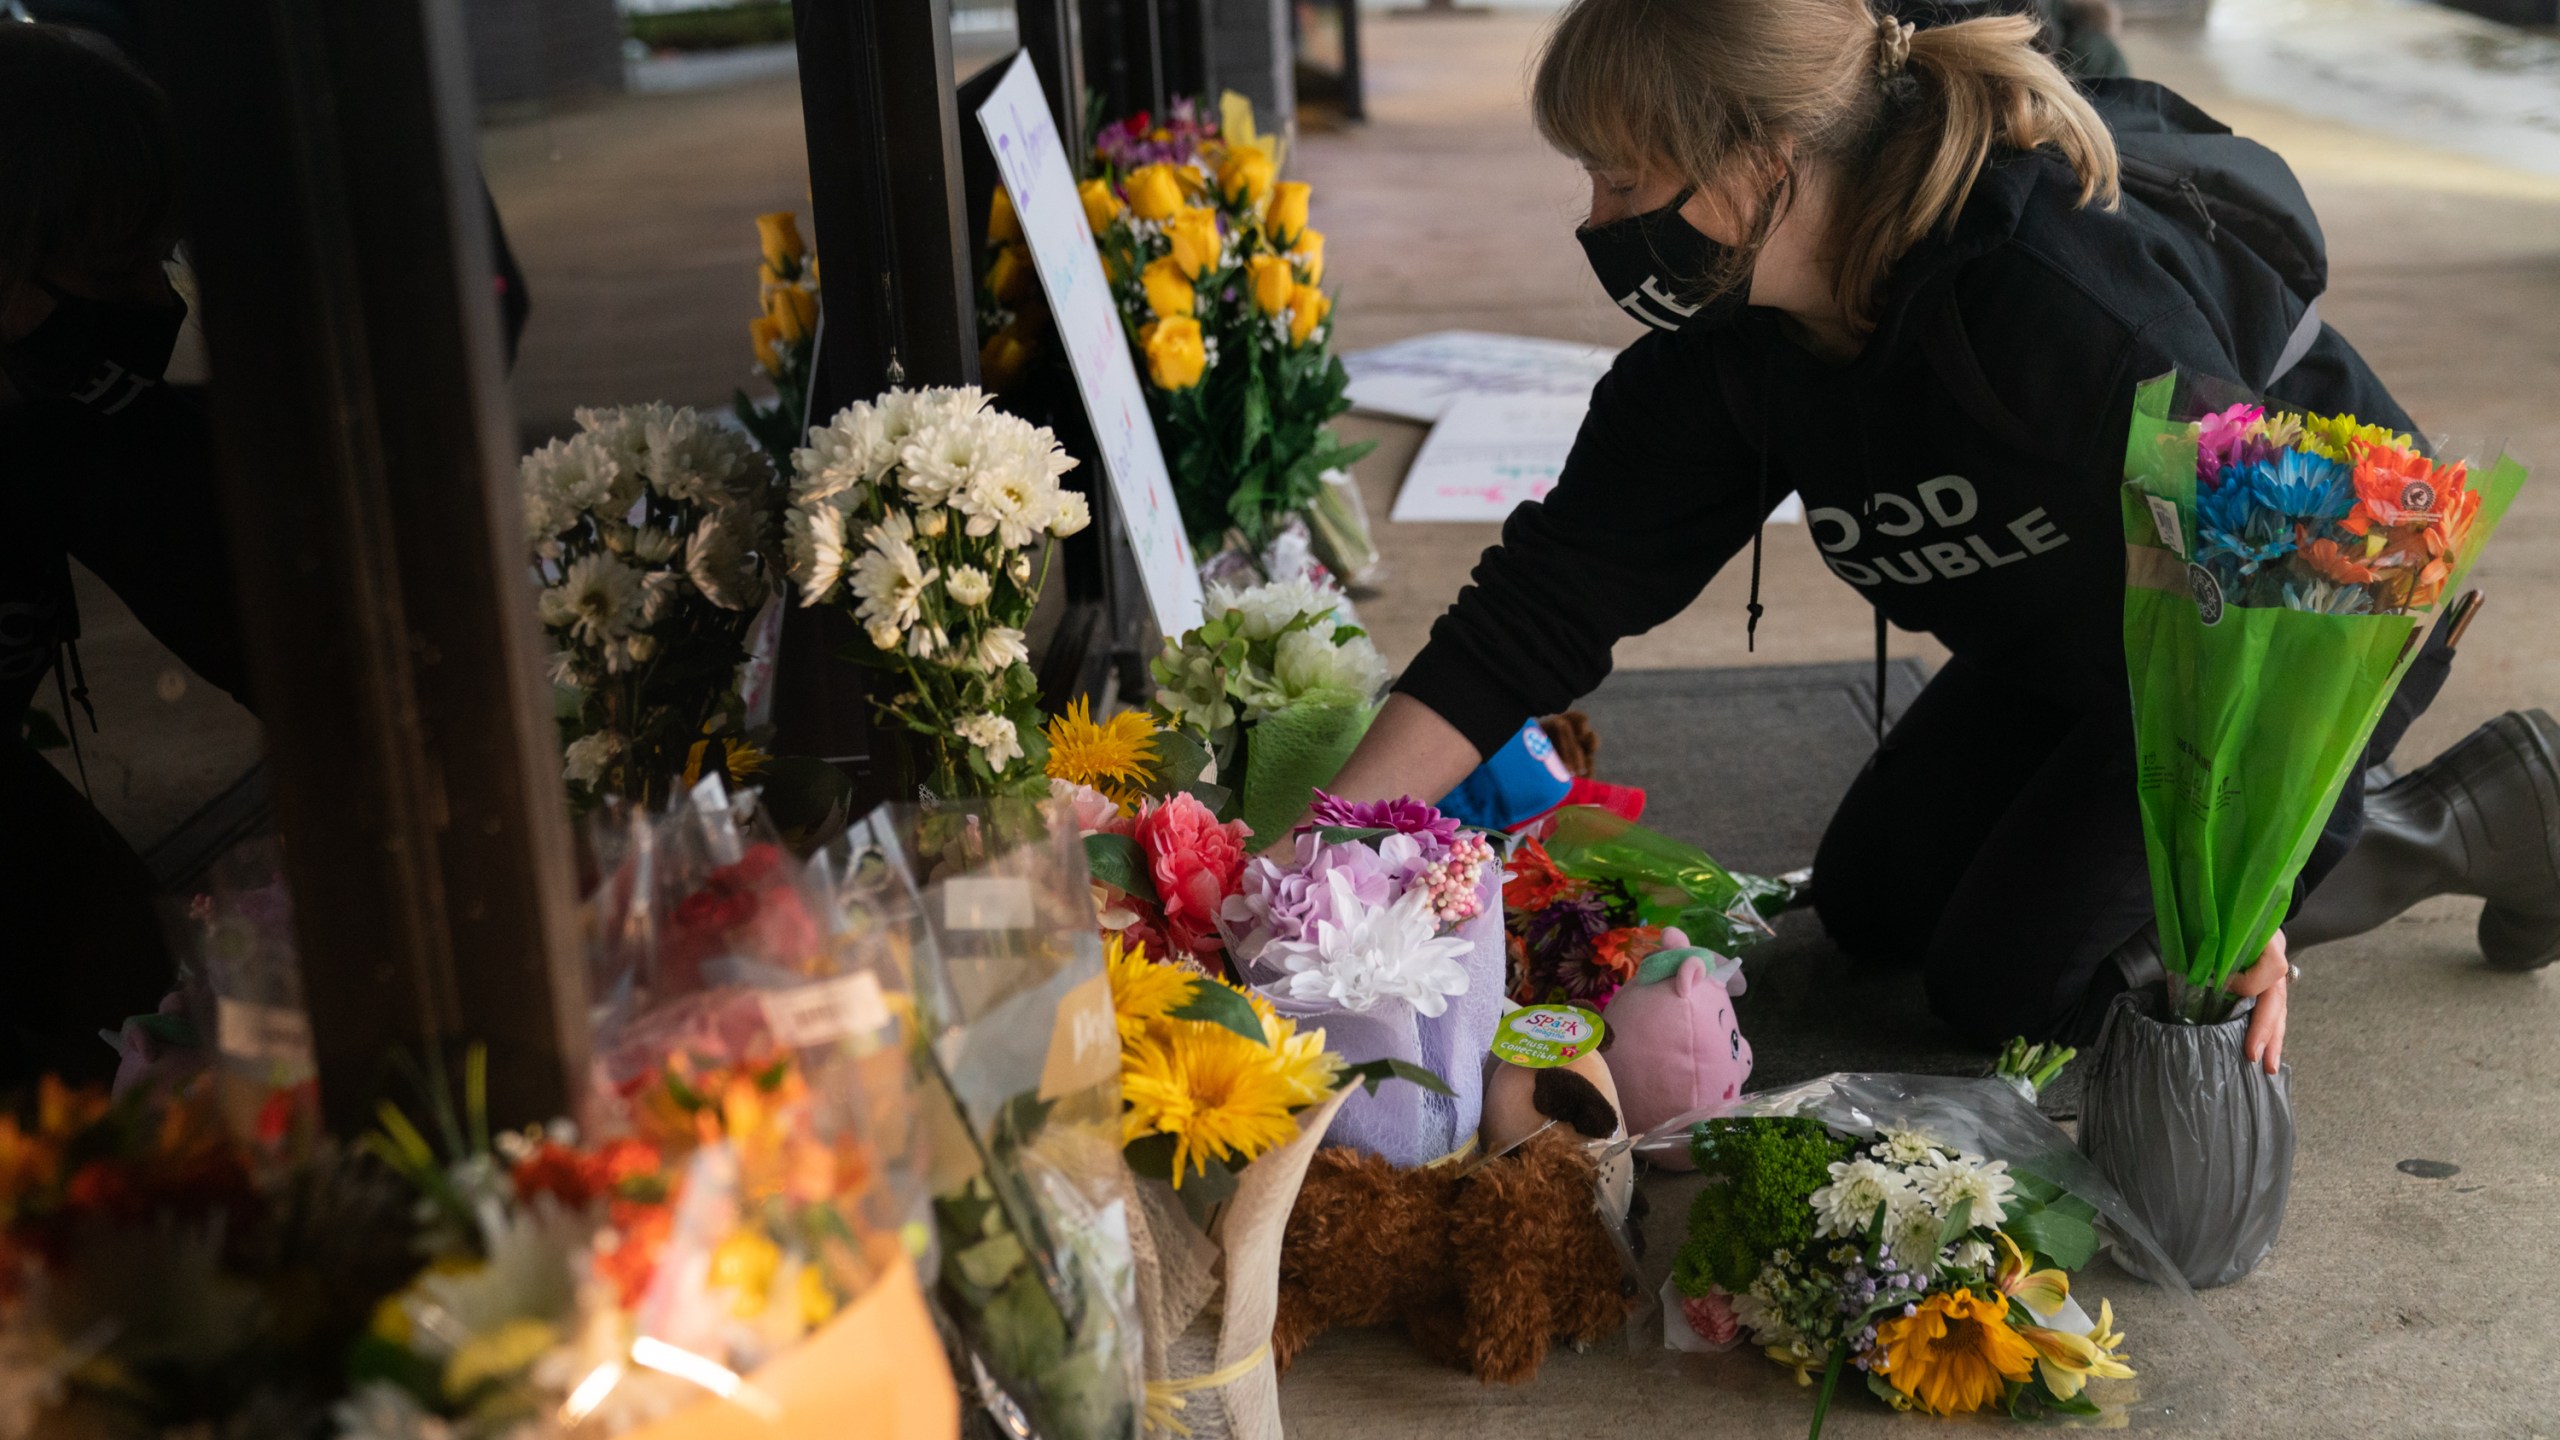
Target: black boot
<point>2481,819</point>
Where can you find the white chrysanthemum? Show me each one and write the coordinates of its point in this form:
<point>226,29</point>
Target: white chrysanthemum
<point>716,561</point>
<point>1269,609</point>
<point>657,594</point>
<point>653,545</point>
<point>931,523</point>
<point>1847,1205</point>
<point>926,641</point>
<point>842,457</point>
<point>968,585</point>
<point>813,543</point>
<point>1947,1181</point>
<point>1971,1255</point>
<point>889,577</point>
<point>1069,515</point>
<point>940,461</point>
<point>1000,649</point>
<point>622,431</point>
<point>692,459</point>
<point>1010,501</point>
<point>885,637</point>
<point>1911,1231</point>
<point>597,602</point>
<point>566,479</point>
<point>562,669</point>
<point>994,736</point>
<point>1306,661</point>
<point>585,758</point>
<point>1395,952</point>
<point>1902,1147</point>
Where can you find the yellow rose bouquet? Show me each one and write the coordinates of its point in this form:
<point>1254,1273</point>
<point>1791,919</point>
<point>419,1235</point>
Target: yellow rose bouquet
<point>1217,275</point>
<point>784,335</point>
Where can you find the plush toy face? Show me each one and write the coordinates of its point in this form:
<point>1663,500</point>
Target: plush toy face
<point>1678,1047</point>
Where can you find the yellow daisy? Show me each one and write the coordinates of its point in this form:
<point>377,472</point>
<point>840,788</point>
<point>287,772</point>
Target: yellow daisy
<point>1219,1094</point>
<point>1956,1353</point>
<point>1143,991</point>
<point>1115,756</point>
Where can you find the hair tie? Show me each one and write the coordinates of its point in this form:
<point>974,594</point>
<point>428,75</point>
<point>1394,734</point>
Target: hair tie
<point>1893,46</point>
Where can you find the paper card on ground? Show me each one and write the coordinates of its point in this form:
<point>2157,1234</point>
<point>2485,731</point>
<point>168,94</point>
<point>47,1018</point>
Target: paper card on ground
<point>1490,452</point>
<point>1037,175</point>
<point>1417,379</point>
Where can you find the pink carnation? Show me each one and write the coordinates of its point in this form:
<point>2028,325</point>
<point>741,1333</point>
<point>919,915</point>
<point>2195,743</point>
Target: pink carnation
<point>1711,1315</point>
<point>1196,863</point>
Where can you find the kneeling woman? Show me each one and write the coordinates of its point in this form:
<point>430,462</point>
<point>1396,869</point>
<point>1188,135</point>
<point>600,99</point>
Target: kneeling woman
<point>1893,272</point>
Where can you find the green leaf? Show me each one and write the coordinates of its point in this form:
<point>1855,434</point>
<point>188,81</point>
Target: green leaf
<point>1116,861</point>
<point>1180,757</point>
<point>1206,1188</point>
<point>2055,1235</point>
<point>1216,1004</point>
<point>1957,1224</point>
<point>1351,834</point>
<point>1377,1072</point>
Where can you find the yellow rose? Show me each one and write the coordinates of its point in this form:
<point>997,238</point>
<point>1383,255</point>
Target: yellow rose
<point>1004,357</point>
<point>1175,356</point>
<point>1011,276</point>
<point>1273,283</point>
<point>1169,291</point>
<point>1194,235</point>
<point>1101,207</point>
<point>1154,192</point>
<point>1245,174</point>
<point>760,333</point>
<point>779,233</point>
<point>1288,212</point>
<point>1309,252</point>
<point>794,313</point>
<point>1003,226</point>
<point>1308,309</point>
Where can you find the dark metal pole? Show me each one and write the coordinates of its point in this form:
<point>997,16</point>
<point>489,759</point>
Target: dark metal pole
<point>366,451</point>
<point>1051,31</point>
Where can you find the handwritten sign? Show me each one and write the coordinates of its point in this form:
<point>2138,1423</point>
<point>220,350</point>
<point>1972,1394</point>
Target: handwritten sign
<point>1489,453</point>
<point>1417,379</point>
<point>1043,186</point>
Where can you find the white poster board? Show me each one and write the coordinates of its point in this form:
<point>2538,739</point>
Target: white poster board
<point>1487,453</point>
<point>1416,379</point>
<point>1043,187</point>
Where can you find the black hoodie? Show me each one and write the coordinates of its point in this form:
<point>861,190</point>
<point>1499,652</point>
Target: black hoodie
<point>1963,471</point>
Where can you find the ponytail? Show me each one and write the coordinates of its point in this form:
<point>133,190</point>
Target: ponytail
<point>1968,86</point>
<point>1712,89</point>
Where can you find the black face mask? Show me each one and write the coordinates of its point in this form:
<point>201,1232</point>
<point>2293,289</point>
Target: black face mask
<point>1652,263</point>
<point>99,354</point>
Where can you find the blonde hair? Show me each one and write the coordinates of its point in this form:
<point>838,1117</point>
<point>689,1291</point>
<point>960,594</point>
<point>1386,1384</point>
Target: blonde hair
<point>1714,89</point>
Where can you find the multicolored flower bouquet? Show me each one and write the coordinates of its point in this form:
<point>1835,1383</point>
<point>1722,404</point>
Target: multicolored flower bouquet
<point>1278,686</point>
<point>654,533</point>
<point>2279,566</point>
<point>738,1222</point>
<point>1862,1226</point>
<point>1216,272</point>
<point>928,517</point>
<point>1382,922</point>
<point>1588,905</point>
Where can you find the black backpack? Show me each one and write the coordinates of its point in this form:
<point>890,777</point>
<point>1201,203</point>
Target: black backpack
<point>2188,166</point>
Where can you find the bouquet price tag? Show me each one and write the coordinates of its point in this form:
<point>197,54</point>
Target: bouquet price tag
<point>826,1012</point>
<point>246,1030</point>
<point>2164,518</point>
<point>1543,1037</point>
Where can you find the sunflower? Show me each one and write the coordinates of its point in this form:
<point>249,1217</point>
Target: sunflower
<point>1115,757</point>
<point>1955,1353</point>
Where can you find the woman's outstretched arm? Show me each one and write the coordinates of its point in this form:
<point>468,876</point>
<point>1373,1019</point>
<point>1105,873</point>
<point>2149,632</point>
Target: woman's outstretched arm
<point>1410,750</point>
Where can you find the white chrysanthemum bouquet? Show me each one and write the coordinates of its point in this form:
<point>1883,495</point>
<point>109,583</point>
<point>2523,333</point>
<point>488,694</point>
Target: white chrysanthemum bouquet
<point>927,516</point>
<point>649,530</point>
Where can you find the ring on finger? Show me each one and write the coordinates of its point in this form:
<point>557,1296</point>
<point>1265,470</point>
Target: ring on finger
<point>2292,971</point>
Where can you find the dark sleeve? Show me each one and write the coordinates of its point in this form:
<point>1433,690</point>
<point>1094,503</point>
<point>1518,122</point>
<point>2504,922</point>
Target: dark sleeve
<point>143,511</point>
<point>1658,492</point>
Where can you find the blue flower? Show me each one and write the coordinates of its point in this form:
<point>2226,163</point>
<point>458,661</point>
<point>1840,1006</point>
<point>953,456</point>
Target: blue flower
<point>2326,598</point>
<point>2297,485</point>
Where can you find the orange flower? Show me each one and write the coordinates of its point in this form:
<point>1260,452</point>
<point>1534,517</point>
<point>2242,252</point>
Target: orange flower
<point>1956,1353</point>
<point>1621,951</point>
<point>1534,882</point>
<point>2383,477</point>
<point>2330,562</point>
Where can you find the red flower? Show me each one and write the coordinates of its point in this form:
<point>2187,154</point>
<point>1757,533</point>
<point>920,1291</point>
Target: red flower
<point>1711,1316</point>
<point>1534,882</point>
<point>560,1171</point>
<point>629,1255</point>
<point>1196,864</point>
<point>1620,951</point>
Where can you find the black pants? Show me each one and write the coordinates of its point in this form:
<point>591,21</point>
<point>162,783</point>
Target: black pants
<point>1995,840</point>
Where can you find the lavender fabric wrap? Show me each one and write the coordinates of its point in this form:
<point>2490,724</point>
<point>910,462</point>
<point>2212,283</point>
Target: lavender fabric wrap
<point>1407,1124</point>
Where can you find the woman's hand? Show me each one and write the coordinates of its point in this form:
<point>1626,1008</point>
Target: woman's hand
<point>2267,983</point>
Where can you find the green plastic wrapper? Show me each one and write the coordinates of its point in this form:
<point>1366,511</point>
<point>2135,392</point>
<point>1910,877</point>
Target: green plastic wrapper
<point>1674,883</point>
<point>1292,751</point>
<point>2247,719</point>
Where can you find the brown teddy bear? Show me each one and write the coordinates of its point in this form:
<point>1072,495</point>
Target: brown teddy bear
<point>1482,1266</point>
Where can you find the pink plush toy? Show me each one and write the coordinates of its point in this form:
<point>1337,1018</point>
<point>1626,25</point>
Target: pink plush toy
<point>1674,1044</point>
